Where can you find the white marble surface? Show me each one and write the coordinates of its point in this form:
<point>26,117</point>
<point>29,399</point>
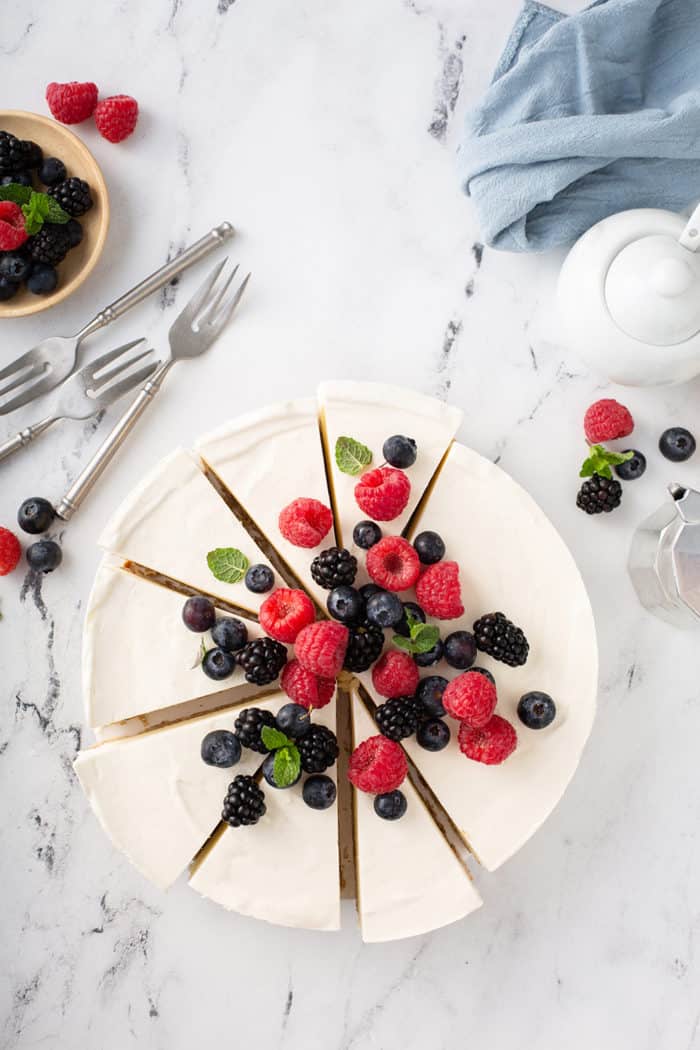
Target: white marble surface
<point>326,130</point>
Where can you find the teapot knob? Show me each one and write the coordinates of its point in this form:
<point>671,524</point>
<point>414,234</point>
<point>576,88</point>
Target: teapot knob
<point>671,277</point>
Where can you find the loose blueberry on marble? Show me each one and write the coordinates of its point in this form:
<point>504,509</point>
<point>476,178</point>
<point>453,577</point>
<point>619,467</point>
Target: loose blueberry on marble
<point>43,279</point>
<point>536,710</point>
<point>432,656</point>
<point>259,579</point>
<point>677,444</point>
<point>460,650</point>
<point>384,609</point>
<point>430,547</point>
<point>433,735</point>
<point>44,556</point>
<point>268,771</point>
<point>230,634</point>
<point>485,673</point>
<point>391,805</point>
<point>430,692</point>
<point>319,791</point>
<point>35,515</point>
<point>345,604</point>
<point>198,614</point>
<point>416,612</point>
<point>294,720</point>
<point>221,748</point>
<point>218,664</point>
<point>366,534</point>
<point>632,468</point>
<point>400,451</point>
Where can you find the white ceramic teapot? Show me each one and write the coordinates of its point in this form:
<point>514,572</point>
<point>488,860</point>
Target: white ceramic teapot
<point>629,297</point>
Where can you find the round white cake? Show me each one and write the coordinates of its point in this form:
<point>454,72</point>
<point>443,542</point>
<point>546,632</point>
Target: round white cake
<point>150,703</point>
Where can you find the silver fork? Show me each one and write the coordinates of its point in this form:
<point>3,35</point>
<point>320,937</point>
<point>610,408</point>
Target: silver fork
<point>87,392</point>
<point>193,332</point>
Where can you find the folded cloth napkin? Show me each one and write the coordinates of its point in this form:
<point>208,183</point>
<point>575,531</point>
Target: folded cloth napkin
<point>587,114</point>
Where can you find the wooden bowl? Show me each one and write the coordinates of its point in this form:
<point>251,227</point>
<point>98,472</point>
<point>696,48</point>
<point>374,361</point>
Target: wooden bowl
<point>57,141</point>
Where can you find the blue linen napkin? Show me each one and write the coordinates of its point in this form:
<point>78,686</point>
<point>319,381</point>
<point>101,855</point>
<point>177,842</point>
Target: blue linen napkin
<point>587,114</point>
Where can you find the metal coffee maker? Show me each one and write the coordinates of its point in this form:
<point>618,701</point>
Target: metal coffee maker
<point>664,561</point>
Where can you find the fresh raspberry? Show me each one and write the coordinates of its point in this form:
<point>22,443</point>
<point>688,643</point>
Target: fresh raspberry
<point>116,117</point>
<point>383,493</point>
<point>438,591</point>
<point>491,744</point>
<point>377,765</point>
<point>305,522</point>
<point>10,551</point>
<point>12,227</point>
<point>470,698</point>
<point>321,646</point>
<point>395,674</point>
<point>285,612</point>
<point>393,563</point>
<point>72,103</point>
<point>606,420</point>
<point>306,688</point>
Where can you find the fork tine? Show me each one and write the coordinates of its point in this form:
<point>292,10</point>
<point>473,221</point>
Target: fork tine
<point>202,294</point>
<point>120,367</point>
<point>124,386</point>
<point>90,369</point>
<point>211,305</point>
<point>20,362</point>
<point>23,377</point>
<point>224,314</point>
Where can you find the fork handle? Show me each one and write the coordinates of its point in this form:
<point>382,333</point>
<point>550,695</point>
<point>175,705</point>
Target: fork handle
<point>110,446</point>
<point>23,437</point>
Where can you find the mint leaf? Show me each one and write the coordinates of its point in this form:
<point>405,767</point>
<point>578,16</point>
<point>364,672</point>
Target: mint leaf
<point>351,456</point>
<point>56,214</point>
<point>227,564</point>
<point>201,653</point>
<point>16,193</point>
<point>286,766</point>
<point>424,636</point>
<point>35,212</point>
<point>272,738</point>
<point>600,460</point>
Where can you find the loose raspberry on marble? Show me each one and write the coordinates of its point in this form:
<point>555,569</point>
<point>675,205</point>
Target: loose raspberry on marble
<point>116,117</point>
<point>395,674</point>
<point>438,591</point>
<point>377,765</point>
<point>305,687</point>
<point>13,231</point>
<point>382,493</point>
<point>285,612</point>
<point>320,647</point>
<point>305,522</point>
<point>393,563</point>
<point>10,551</point>
<point>470,698</point>
<point>72,103</point>
<point>607,420</point>
<point>492,744</point>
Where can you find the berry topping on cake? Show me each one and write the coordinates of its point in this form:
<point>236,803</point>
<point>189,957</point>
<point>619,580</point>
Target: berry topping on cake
<point>536,710</point>
<point>229,633</point>
<point>607,420</point>
<point>221,748</point>
<point>599,495</point>
<point>492,744</point>
<point>391,805</point>
<point>365,644</point>
<point>430,547</point>
<point>318,749</point>
<point>305,522</point>
<point>294,720</point>
<point>460,650</point>
<point>430,692</point>
<point>218,664</point>
<point>501,639</point>
<point>377,765</point>
<point>432,656</point>
<point>262,660</point>
<point>345,604</point>
<point>244,803</point>
<point>470,698</point>
<point>249,725</point>
<point>72,103</point>
<point>271,772</point>
<point>393,564</point>
<point>333,567</point>
<point>384,609</point>
<point>439,592</point>
<point>382,493</point>
<point>306,688</point>
<point>260,579</point>
<point>395,674</point>
<point>433,735</point>
<point>199,614</point>
<point>13,233</point>
<point>416,615</point>
<point>116,117</point>
<point>366,534</point>
<point>285,612</point>
<point>398,718</point>
<point>319,791</point>
<point>10,551</point>
<point>400,451</point>
<point>320,648</point>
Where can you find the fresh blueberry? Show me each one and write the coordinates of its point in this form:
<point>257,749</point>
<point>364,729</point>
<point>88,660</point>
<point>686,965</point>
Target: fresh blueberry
<point>294,720</point>
<point>8,289</point>
<point>345,604</point>
<point>260,579</point>
<point>35,515</point>
<point>44,556</point>
<point>229,634</point>
<point>75,231</point>
<point>536,710</point>
<point>416,612</point>
<point>430,692</point>
<point>460,650</point>
<point>198,614</point>
<point>52,171</point>
<point>20,178</point>
<point>391,805</point>
<point>433,735</point>
<point>429,547</point>
<point>399,451</point>
<point>485,673</point>
<point>366,534</point>
<point>677,444</point>
<point>432,656</point>
<point>15,266</point>
<point>221,748</point>
<point>42,280</point>
<point>632,468</point>
<point>268,771</point>
<point>218,664</point>
<point>319,791</point>
<point>384,609</point>
<point>368,589</point>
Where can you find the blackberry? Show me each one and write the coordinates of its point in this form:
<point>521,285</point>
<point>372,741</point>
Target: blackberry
<point>318,749</point>
<point>50,245</point>
<point>12,156</point>
<point>599,494</point>
<point>398,718</point>
<point>73,195</point>
<point>244,802</point>
<point>262,660</point>
<point>501,639</point>
<point>32,155</point>
<point>333,567</point>
<point>365,645</point>
<point>249,725</point>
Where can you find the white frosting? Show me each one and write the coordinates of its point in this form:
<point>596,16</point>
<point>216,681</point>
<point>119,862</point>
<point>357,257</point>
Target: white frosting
<point>284,869</point>
<point>169,523</point>
<point>267,459</point>
<point>370,413</point>
<point>155,797</point>
<point>138,656</point>
<point>408,879</point>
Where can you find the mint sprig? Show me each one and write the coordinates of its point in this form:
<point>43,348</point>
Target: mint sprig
<point>600,461</point>
<point>287,760</point>
<point>422,636</point>
<point>351,456</point>
<point>227,564</point>
<point>37,208</point>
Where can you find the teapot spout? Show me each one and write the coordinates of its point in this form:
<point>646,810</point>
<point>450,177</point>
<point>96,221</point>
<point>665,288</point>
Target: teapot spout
<point>687,502</point>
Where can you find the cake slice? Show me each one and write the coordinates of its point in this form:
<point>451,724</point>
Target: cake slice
<point>409,880</point>
<point>171,521</point>
<point>285,868</point>
<point>155,797</point>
